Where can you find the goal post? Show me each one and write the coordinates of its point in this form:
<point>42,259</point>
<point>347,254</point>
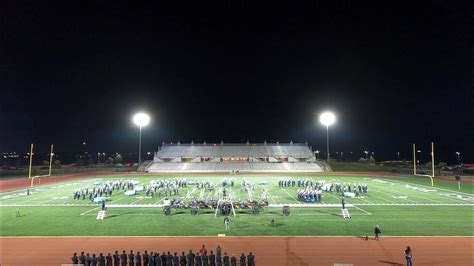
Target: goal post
<point>432,163</point>
<point>51,154</point>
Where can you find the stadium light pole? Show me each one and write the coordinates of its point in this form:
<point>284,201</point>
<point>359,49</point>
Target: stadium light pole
<point>327,119</point>
<point>141,120</point>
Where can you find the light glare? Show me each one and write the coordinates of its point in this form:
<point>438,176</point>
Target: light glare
<point>327,118</point>
<point>141,119</point>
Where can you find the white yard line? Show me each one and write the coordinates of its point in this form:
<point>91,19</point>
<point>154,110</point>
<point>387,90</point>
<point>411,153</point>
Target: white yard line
<point>271,196</point>
<point>452,191</point>
<point>89,211</point>
<point>410,193</point>
<point>362,210</point>
<point>291,195</point>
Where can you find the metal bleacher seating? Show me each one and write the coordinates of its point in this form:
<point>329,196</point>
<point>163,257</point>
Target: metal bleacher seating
<point>234,157</point>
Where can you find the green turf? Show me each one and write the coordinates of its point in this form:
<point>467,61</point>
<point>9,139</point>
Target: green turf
<point>67,221</point>
<point>52,211</point>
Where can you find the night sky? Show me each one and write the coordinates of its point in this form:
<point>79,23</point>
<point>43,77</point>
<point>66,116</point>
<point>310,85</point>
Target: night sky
<point>393,74</point>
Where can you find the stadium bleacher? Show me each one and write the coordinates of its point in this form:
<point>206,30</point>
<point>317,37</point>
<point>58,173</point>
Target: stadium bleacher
<point>285,157</point>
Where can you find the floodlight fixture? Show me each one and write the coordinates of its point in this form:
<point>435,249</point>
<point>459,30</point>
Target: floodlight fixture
<point>327,119</point>
<point>141,119</point>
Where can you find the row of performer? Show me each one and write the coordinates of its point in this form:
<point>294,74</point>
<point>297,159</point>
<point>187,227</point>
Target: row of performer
<point>200,258</point>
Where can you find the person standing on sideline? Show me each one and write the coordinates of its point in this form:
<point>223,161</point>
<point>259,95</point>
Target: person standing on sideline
<point>377,231</point>
<point>116,258</point>
<point>243,260</point>
<point>108,260</point>
<point>343,202</point>
<point>190,258</point>
<point>251,259</point>
<point>123,258</point>
<point>458,180</point>
<point>74,259</point>
<point>138,259</point>
<point>82,258</point>
<point>409,256</point>
<point>226,223</point>
<point>233,261</point>
<point>87,260</point>
<point>131,258</point>
<point>182,259</point>
<point>18,213</point>
<point>226,259</point>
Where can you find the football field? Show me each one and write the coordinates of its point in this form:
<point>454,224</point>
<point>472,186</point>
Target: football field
<point>402,206</point>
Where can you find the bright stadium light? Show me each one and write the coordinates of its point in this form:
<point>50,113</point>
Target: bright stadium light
<point>141,120</point>
<point>327,119</point>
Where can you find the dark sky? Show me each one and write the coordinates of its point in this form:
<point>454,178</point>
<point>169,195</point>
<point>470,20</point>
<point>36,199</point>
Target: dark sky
<point>393,74</point>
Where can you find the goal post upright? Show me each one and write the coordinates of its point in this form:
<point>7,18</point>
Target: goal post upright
<point>414,159</point>
<point>432,163</point>
<point>51,155</point>
<point>31,160</point>
<point>51,159</point>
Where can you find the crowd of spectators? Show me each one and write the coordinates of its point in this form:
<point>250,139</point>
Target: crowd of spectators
<point>200,258</point>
